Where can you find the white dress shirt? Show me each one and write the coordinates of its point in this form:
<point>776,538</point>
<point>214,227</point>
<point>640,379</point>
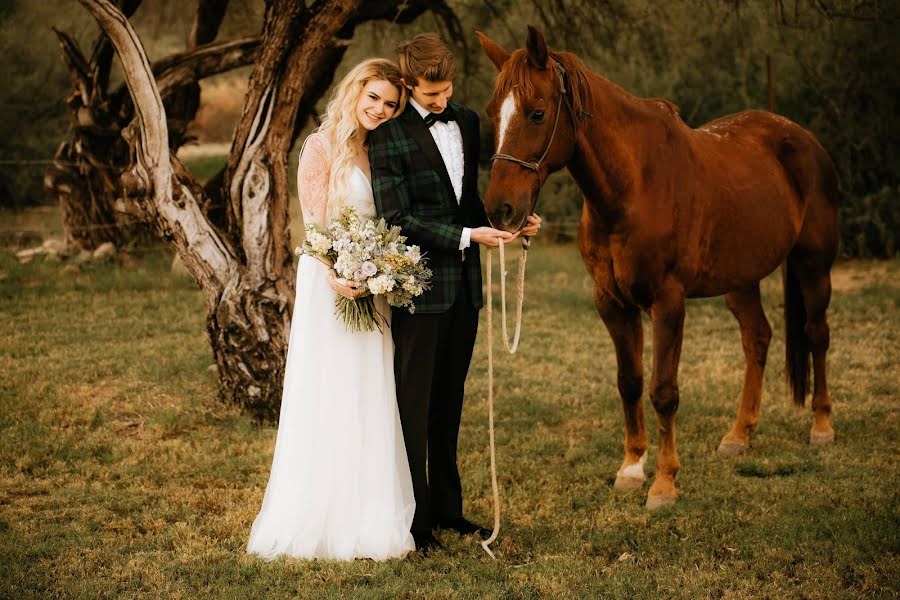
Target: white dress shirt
<point>448,139</point>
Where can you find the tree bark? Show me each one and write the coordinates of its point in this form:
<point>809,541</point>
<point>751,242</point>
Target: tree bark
<point>256,188</point>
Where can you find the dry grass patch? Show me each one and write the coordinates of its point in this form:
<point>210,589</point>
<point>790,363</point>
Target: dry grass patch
<point>852,275</point>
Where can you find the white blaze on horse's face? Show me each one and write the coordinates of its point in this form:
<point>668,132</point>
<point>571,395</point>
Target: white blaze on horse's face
<point>507,112</point>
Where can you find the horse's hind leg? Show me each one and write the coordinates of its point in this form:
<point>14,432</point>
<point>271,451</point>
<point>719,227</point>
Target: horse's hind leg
<point>813,273</point>
<point>756,334</point>
<point>624,326</point>
<point>809,268</point>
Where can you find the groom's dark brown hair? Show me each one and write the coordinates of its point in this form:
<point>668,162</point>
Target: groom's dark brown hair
<point>427,57</point>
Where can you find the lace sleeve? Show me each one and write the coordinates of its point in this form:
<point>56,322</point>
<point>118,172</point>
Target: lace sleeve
<point>312,179</point>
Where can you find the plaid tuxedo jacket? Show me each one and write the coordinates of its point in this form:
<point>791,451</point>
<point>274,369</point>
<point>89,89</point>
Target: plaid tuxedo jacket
<point>413,191</point>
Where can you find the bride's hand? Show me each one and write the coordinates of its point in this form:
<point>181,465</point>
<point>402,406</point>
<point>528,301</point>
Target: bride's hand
<point>348,289</point>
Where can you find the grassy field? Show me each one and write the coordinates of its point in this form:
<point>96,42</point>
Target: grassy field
<point>122,476</point>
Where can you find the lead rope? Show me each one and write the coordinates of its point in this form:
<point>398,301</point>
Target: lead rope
<point>511,348</point>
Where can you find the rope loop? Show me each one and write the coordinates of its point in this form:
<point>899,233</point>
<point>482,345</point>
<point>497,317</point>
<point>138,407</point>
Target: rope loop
<point>511,347</point>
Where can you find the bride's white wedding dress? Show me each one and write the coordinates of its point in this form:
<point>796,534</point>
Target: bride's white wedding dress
<point>340,486</point>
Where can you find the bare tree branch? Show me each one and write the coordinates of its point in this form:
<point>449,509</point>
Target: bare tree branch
<point>194,65</point>
<point>178,217</point>
<point>79,68</point>
<point>207,21</point>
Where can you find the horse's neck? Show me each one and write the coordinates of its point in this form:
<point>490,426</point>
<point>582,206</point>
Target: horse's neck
<point>613,146</point>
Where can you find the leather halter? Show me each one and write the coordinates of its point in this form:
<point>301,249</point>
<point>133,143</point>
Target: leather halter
<point>561,77</point>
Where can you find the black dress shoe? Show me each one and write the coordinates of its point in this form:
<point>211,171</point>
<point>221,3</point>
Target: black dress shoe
<point>464,526</point>
<point>426,542</point>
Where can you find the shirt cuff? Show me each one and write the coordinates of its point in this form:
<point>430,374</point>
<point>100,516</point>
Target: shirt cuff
<point>465,240</point>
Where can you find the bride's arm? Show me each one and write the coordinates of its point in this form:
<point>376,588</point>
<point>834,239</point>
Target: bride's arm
<point>312,179</point>
<point>313,169</point>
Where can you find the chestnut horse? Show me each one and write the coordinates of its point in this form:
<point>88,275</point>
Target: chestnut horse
<point>671,213</point>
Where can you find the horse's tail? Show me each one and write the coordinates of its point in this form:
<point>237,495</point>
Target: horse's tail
<point>796,343</point>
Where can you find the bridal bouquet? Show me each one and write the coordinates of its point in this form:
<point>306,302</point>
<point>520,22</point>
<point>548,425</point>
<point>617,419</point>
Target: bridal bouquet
<point>373,255</point>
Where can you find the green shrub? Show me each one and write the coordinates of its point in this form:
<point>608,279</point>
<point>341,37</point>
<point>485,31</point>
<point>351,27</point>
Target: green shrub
<point>33,116</point>
<point>870,224</point>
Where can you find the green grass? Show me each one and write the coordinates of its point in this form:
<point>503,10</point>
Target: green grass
<point>121,475</point>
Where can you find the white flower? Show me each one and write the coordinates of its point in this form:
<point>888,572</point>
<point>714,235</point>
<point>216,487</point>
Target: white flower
<point>381,284</point>
<point>340,245</point>
<point>320,243</point>
<point>413,252</point>
<point>346,266</point>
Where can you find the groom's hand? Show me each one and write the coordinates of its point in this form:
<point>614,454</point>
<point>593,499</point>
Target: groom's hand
<point>488,236</point>
<point>531,227</point>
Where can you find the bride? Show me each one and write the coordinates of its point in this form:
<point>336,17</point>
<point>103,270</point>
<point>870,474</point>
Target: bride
<point>340,485</point>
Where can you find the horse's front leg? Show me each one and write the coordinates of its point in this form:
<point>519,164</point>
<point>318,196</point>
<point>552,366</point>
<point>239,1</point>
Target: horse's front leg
<point>667,314</point>
<point>624,326</point>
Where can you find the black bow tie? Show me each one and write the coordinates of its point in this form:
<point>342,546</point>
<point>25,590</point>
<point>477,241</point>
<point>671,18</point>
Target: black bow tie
<point>445,116</point>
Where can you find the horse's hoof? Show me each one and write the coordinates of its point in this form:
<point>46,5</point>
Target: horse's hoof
<point>729,448</point>
<point>631,477</point>
<point>625,484</point>
<point>657,502</point>
<point>820,438</point>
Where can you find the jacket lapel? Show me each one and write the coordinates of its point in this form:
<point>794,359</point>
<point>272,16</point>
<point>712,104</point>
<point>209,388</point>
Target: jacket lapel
<point>416,129</point>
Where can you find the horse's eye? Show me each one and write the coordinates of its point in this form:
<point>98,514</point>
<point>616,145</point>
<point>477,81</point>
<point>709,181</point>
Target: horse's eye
<point>537,116</point>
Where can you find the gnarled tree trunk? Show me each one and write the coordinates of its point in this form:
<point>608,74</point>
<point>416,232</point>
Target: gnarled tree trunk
<point>89,163</point>
<point>244,263</point>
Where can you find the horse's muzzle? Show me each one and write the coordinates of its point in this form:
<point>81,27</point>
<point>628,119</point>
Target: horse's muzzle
<point>512,216</point>
<point>504,217</point>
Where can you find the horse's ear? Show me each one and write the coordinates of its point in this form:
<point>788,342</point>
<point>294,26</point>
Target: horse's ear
<point>493,50</point>
<point>537,48</point>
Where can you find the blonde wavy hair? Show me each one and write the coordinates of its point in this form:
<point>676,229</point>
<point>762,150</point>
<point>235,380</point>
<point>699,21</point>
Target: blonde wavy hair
<point>343,131</point>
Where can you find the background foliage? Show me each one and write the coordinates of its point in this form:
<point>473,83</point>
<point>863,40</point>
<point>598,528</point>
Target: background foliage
<point>835,72</point>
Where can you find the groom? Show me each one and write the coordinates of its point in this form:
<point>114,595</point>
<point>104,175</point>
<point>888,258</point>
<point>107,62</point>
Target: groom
<point>424,176</point>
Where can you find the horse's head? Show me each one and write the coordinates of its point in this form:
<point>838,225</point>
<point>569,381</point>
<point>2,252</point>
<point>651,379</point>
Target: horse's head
<point>534,127</point>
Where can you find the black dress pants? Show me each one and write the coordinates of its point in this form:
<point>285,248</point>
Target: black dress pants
<point>431,359</point>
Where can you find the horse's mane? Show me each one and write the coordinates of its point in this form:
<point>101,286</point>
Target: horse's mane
<point>512,78</point>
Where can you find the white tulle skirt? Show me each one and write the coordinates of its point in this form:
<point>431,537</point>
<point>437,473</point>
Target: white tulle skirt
<point>340,486</point>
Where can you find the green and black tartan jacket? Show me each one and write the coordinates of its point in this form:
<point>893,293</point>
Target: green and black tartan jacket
<point>413,191</point>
